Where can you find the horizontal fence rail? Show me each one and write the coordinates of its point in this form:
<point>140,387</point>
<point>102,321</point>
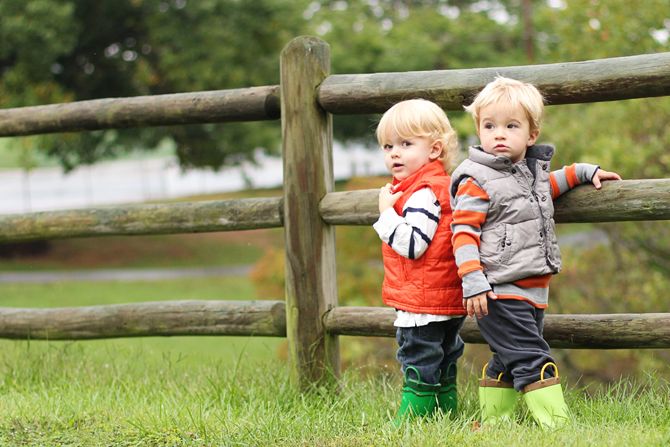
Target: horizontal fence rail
<point>160,318</point>
<point>172,218</point>
<point>645,75</point>
<point>617,201</point>
<point>625,200</point>
<point>245,104</point>
<point>607,331</point>
<point>268,319</point>
<point>610,79</point>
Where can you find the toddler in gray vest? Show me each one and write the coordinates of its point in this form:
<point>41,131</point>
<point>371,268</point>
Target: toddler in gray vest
<point>505,247</point>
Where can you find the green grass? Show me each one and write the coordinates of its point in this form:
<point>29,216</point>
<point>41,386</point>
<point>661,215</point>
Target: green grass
<point>234,391</point>
<point>74,395</point>
<point>76,293</point>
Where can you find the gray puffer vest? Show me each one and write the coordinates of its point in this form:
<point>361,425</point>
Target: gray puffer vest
<point>518,239</point>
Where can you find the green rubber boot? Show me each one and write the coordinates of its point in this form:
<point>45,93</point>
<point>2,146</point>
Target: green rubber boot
<point>545,401</point>
<point>418,399</point>
<point>447,396</point>
<point>497,400</point>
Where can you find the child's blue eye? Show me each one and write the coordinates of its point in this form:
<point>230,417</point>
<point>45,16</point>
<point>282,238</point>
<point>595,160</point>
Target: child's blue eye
<point>406,143</point>
<point>488,126</point>
<point>513,125</point>
<point>387,147</point>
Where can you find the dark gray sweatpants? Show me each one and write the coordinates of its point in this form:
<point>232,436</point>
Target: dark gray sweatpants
<point>513,330</point>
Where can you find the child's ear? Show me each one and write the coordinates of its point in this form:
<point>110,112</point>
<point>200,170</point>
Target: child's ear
<point>436,150</point>
<point>532,138</point>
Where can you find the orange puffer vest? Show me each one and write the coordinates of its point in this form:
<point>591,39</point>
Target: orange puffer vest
<point>430,284</point>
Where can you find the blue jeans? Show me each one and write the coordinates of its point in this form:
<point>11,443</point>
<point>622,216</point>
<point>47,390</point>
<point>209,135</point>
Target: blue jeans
<point>430,348</point>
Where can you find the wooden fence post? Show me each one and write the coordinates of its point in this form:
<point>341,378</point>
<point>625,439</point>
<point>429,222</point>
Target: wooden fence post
<point>311,283</point>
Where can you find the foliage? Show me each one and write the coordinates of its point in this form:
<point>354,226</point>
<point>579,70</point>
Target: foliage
<point>112,48</point>
<point>124,48</point>
<point>393,36</point>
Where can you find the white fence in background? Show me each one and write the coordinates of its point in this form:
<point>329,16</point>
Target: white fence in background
<point>130,181</point>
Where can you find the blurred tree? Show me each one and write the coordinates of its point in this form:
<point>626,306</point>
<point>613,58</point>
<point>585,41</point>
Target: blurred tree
<point>395,36</point>
<point>63,50</point>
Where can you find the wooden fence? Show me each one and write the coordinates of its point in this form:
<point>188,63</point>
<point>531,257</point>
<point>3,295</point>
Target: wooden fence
<point>305,99</point>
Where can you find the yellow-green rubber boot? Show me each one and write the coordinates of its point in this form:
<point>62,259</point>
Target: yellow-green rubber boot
<point>545,401</point>
<point>497,400</point>
<point>418,398</point>
<point>447,396</point>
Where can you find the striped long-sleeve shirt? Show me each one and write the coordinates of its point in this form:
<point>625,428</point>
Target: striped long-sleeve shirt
<point>410,235</point>
<point>470,208</point>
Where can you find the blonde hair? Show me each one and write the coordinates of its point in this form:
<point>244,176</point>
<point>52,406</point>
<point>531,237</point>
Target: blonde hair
<point>419,118</point>
<point>512,92</point>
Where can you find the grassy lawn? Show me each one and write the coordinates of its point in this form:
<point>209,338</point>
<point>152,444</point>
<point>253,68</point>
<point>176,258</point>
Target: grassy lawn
<point>129,396</point>
<point>234,391</point>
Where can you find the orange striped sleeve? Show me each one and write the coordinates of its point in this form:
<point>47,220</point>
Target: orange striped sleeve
<point>469,188</point>
<point>571,175</point>
<point>465,238</point>
<point>555,190</point>
<point>467,217</point>
<point>469,266</point>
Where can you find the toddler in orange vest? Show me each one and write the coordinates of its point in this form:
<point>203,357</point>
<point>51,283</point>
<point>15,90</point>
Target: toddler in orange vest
<point>420,274</point>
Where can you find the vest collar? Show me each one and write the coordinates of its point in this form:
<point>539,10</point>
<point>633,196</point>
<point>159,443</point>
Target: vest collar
<point>433,168</point>
<point>542,152</point>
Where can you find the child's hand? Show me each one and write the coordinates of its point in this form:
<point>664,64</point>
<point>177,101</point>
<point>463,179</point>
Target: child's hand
<point>603,175</point>
<point>477,305</point>
<point>387,198</point>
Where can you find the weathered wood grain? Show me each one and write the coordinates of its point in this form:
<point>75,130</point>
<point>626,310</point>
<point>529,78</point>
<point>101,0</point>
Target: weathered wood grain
<point>311,280</point>
<point>617,201</point>
<point>625,200</point>
<point>618,78</point>
<point>245,104</point>
<point>645,75</point>
<point>609,331</point>
<point>160,318</point>
<point>182,217</point>
<point>268,318</point>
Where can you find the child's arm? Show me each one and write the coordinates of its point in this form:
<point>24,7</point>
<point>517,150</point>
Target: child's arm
<point>411,234</point>
<point>568,177</point>
<point>470,206</point>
